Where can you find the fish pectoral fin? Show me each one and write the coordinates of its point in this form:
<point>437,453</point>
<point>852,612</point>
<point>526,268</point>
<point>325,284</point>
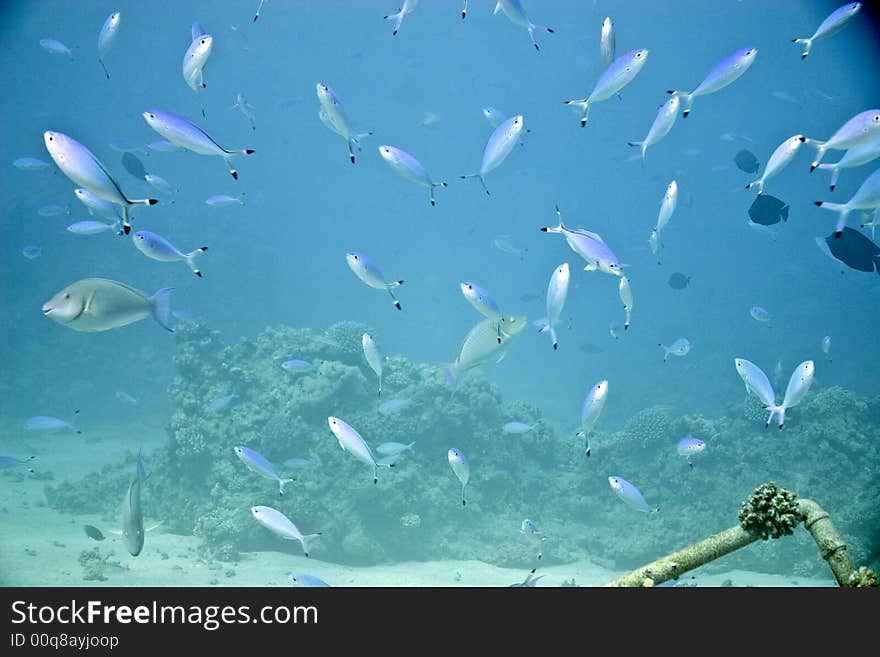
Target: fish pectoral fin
<point>113,530</point>
<point>88,305</point>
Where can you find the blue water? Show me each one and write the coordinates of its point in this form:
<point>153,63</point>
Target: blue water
<point>279,259</point>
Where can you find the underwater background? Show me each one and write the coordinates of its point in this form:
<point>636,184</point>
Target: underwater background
<point>276,285</point>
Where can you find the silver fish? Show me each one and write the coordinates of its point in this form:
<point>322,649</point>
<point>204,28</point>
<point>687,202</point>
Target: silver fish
<point>97,205</point>
<point>393,405</point>
<point>306,581</point>
<point>188,135</point>
<point>591,409</point>
<point>484,304</point>
<point>619,74</point>
<point>280,525</point>
<point>557,292</point>
<point>256,462</point>
<point>680,347</point>
<point>29,164</point>
<point>854,157</point>
<point>333,116</point>
<point>223,200</point>
<point>501,143</point>
<point>630,494</point>
<point>626,298</point>
<point>461,468</point>
<point>367,270</point>
<point>667,207</point>
<point>867,197</point>
<point>409,167</point>
<point>194,60</point>
<point>798,386</point>
<point>756,382</point>
<point>49,424</point>
<point>834,23</point>
<point>90,227</point>
<point>393,449</point>
<point>351,441</point>
<point>100,304</point>
<point>517,428</point>
<point>220,403</point>
<point>12,462</point>
<point>158,248</point>
<point>607,42</point>
<point>860,129</point>
<point>724,73</point>
<point>781,158</point>
<point>374,358</point>
<point>242,104</point>
<point>55,47</point>
<point>515,12</point>
<point>530,530</point>
<point>407,8</point>
<point>159,183</point>
<point>107,36</point>
<point>663,123</point>
<point>589,246</point>
<point>80,165</point>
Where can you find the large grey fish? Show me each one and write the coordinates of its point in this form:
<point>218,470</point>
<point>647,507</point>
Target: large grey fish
<point>100,304</point>
<point>80,165</point>
<point>188,135</point>
<point>481,344</point>
<point>133,515</point>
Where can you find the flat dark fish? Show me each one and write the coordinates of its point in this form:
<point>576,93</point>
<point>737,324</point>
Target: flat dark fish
<point>855,250</point>
<point>746,161</point>
<point>93,532</point>
<point>679,281</point>
<point>134,166</point>
<point>768,210</point>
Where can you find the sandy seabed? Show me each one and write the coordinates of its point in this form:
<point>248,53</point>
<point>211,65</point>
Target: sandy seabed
<point>42,547</point>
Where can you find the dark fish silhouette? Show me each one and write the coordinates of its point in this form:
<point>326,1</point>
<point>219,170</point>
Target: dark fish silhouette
<point>93,532</point>
<point>855,250</point>
<point>746,161</point>
<point>679,281</point>
<point>134,166</point>
<point>768,210</point>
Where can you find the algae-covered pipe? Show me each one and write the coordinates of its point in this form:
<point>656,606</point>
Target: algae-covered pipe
<point>816,521</point>
<point>694,556</point>
<point>830,543</point>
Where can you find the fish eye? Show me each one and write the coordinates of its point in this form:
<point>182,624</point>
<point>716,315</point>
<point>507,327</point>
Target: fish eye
<point>67,296</point>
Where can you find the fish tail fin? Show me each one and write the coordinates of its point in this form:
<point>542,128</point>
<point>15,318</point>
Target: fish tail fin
<point>464,10</point>
<point>305,540</point>
<point>435,185</point>
<point>397,18</point>
<point>666,351</point>
<point>532,27</point>
<point>808,44</point>
<point>820,153</point>
<point>842,208</point>
<point>482,180</point>
<point>687,101</point>
<point>585,105</point>
<point>282,483</point>
<point>104,66</point>
<point>560,226</point>
<point>450,374</point>
<point>191,259</point>
<point>231,154</point>
<point>759,183</point>
<point>779,411</point>
<point>390,288</point>
<point>161,305</point>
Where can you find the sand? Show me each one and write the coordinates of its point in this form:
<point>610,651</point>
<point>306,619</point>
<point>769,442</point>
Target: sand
<point>41,547</point>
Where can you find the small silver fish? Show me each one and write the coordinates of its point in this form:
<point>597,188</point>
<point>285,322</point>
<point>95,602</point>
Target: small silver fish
<point>7,462</point>
<point>798,386</point>
<point>107,36</point>
<point>591,409</point>
<point>31,251</point>
<point>374,358</point>
<point>393,405</point>
<point>158,248</point>
<point>781,158</point>
<point>90,227</point>
<point>724,73</point>
<point>53,210</point>
<point>619,74</point>
<point>834,23</point>
<point>393,449</point>
<point>759,314</point>
<point>517,427</point>
<point>223,200</point>
<point>295,365</point>
<point>220,403</point>
<point>501,143</point>
<point>680,347</point>
<point>409,167</point>
<point>461,468</point>
<point>630,494</point>
<point>557,292</point>
<point>866,197</point>
<point>30,164</point>
<point>367,270</point>
<point>515,12</point>
<point>607,42</point>
<point>256,462</point>
<point>49,424</point>
<point>332,114</point>
<point>663,123</point>
<point>626,298</point>
<point>351,441</point>
<point>688,447</point>
<point>860,129</point>
<point>242,105</point>
<point>407,8</point>
<point>186,134</point>
<point>280,525</point>
<point>55,47</point>
<point>159,183</point>
<point>530,530</point>
<point>306,581</point>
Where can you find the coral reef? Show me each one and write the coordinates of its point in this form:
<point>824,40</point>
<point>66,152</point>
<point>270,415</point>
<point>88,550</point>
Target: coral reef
<point>829,451</point>
<point>770,512</point>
